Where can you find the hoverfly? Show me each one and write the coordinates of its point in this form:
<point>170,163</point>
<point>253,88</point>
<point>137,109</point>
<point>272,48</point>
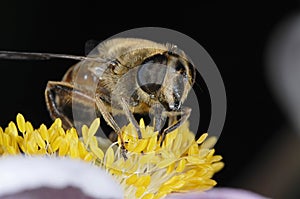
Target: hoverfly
<point>123,75</point>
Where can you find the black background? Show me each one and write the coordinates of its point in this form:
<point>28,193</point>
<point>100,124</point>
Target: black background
<point>235,35</point>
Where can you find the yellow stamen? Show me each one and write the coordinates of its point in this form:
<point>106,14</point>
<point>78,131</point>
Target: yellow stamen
<point>63,147</point>
<point>21,123</point>
<point>140,191</point>
<point>132,179</point>
<point>44,132</point>
<point>149,170</point>
<point>148,196</point>
<point>92,130</point>
<point>181,165</point>
<point>12,129</point>
<point>110,157</point>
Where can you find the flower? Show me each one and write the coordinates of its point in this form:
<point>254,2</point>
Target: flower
<point>150,170</point>
<point>220,193</point>
<point>25,177</point>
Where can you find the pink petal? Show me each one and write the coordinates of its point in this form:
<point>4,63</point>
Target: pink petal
<point>218,193</point>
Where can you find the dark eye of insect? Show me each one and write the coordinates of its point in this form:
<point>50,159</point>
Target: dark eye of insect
<point>151,73</point>
<point>158,58</point>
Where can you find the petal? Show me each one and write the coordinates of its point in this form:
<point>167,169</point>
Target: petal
<point>30,173</point>
<point>220,193</point>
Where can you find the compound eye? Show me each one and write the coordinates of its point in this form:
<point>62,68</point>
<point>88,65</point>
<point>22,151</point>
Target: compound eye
<point>151,74</point>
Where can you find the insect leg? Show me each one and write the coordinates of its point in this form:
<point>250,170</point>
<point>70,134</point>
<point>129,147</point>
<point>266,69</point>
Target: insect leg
<point>158,119</point>
<point>106,115</point>
<point>63,95</point>
<point>130,117</point>
<point>111,122</point>
<point>60,92</point>
<point>184,115</point>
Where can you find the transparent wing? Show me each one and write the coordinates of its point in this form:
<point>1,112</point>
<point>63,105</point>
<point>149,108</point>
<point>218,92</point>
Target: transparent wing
<point>43,56</point>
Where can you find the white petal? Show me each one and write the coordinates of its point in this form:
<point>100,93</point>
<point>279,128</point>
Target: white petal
<point>18,173</point>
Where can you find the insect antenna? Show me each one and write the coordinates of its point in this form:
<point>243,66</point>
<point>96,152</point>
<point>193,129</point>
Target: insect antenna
<point>14,55</point>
